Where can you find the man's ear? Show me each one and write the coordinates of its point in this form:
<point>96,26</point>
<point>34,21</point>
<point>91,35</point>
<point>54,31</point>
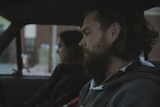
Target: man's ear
<point>115,30</point>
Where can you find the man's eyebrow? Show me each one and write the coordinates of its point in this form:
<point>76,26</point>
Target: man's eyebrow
<point>84,30</point>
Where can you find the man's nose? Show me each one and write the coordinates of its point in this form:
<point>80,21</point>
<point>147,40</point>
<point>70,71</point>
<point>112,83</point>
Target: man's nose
<point>82,43</point>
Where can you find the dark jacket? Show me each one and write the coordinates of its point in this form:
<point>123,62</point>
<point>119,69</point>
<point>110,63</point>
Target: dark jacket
<point>138,86</point>
<point>64,85</point>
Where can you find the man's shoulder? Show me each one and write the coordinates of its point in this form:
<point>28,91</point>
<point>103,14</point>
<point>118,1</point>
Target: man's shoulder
<point>142,72</point>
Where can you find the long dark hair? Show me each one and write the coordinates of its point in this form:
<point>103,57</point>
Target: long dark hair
<point>71,40</point>
<point>135,36</point>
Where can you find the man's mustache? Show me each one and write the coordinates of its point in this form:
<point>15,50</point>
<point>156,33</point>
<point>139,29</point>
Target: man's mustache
<point>84,50</point>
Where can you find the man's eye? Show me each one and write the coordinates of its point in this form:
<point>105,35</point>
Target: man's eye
<point>86,33</point>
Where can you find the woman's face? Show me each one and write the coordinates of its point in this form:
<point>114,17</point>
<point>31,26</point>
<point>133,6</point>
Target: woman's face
<point>62,51</point>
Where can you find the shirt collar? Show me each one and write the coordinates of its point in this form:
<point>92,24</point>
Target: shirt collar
<point>144,62</point>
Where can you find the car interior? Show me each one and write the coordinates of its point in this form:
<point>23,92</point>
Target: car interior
<point>28,33</point>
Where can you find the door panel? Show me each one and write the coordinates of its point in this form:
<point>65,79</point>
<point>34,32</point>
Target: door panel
<point>19,89</point>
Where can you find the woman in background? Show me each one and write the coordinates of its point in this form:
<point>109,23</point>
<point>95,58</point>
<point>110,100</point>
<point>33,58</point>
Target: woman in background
<point>67,78</point>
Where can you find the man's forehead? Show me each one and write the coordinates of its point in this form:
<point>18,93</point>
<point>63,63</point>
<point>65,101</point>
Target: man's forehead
<point>89,18</point>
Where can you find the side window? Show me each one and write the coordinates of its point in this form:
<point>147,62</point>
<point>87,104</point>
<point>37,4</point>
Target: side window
<point>8,59</point>
<point>153,16</point>
<point>39,46</point>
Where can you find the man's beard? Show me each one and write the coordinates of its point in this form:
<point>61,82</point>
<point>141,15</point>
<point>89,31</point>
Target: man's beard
<point>97,64</point>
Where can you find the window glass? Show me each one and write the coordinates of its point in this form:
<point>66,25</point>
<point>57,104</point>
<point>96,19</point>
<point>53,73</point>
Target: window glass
<point>153,16</point>
<point>39,48</point>
<point>8,59</point>
<point>4,24</point>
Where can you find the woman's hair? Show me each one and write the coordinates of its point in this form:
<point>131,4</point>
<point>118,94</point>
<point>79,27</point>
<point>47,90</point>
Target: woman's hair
<point>71,40</point>
<point>135,36</point>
